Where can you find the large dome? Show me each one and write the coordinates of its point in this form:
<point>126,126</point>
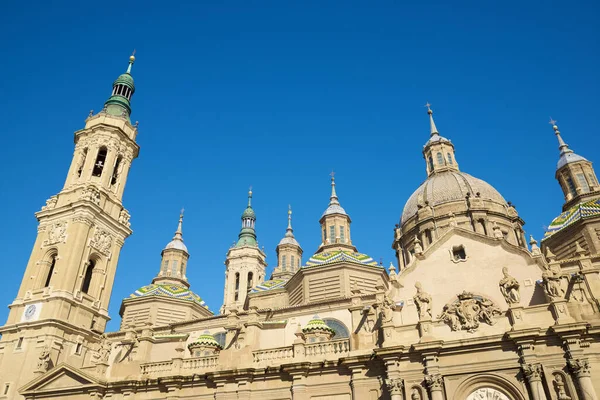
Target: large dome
<point>448,186</point>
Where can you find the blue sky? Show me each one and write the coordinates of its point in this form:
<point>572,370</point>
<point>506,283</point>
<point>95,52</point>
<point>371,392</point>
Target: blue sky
<point>276,94</point>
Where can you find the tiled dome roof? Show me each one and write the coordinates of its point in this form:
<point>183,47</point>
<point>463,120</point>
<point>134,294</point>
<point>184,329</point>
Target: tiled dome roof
<point>317,324</point>
<point>206,339</point>
<point>169,290</point>
<point>449,186</point>
<point>339,256</point>
<point>577,212</point>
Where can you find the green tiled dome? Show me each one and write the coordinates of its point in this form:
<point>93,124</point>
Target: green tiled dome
<point>317,324</point>
<point>206,339</point>
<point>125,79</point>
<point>339,256</point>
<point>169,290</point>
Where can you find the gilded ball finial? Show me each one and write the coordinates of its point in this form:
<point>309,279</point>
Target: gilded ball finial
<point>132,57</point>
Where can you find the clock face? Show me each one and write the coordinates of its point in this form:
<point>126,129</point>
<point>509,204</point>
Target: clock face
<point>30,311</point>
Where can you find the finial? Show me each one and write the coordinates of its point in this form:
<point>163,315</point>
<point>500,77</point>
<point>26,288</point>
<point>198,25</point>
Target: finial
<point>131,61</point>
<point>289,228</point>
<point>434,130</point>
<point>250,197</point>
<point>179,231</point>
<point>562,146</point>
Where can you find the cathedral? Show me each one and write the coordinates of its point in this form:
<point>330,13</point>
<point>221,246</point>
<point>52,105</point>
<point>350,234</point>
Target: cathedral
<point>470,309</point>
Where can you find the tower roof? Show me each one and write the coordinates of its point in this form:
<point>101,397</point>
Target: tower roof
<point>434,136</point>
<point>177,241</point>
<point>247,236</point>
<point>118,104</point>
<point>567,155</point>
<point>289,232</point>
<point>334,204</point>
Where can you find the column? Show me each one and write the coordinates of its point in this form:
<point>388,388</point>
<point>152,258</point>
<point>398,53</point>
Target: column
<point>395,386</point>
<point>435,383</point>
<point>109,164</point>
<point>299,389</point>
<point>581,368</point>
<point>533,375</point>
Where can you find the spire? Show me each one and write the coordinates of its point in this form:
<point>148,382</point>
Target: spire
<point>333,199</point>
<point>119,103</point>
<point>289,231</point>
<point>177,241</point>
<point>562,146</point>
<point>250,197</point>
<point>434,130</point>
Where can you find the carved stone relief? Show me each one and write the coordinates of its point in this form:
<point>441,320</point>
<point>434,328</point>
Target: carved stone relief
<point>579,367</point>
<point>91,194</point>
<point>43,364</point>
<point>50,203</point>
<point>552,281</point>
<point>102,241</point>
<point>468,310</point>
<point>559,386</point>
<point>434,382</point>
<point>394,385</point>
<point>509,287</point>
<point>57,233</point>
<point>124,218</point>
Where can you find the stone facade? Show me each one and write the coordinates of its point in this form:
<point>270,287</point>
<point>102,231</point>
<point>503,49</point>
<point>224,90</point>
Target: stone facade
<point>470,312</point>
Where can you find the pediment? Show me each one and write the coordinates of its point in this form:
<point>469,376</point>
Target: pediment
<point>61,378</point>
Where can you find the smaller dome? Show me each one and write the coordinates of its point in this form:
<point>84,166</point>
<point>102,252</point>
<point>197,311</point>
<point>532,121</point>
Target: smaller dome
<point>289,240</point>
<point>177,245</point>
<point>317,324</point>
<point>206,339</point>
<point>334,209</point>
<point>567,158</point>
<point>169,290</point>
<point>248,213</point>
<point>124,79</point>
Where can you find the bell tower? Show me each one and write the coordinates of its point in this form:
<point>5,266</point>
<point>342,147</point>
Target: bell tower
<point>61,307</point>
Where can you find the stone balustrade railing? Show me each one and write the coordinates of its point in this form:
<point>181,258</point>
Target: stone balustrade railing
<point>339,348</point>
<point>157,368</point>
<point>275,354</point>
<point>176,366</point>
<point>334,348</point>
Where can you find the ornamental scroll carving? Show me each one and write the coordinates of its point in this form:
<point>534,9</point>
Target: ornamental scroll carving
<point>467,311</point>
<point>91,194</point>
<point>533,372</point>
<point>580,366</point>
<point>124,218</point>
<point>57,233</point>
<point>434,382</point>
<point>50,203</point>
<point>102,241</point>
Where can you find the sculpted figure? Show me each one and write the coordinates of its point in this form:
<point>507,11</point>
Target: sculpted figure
<point>387,309</point>
<point>418,248</point>
<point>551,280</point>
<point>468,311</point>
<point>415,395</point>
<point>104,350</point>
<point>44,360</point>
<point>509,287</point>
<point>423,302</point>
<point>559,384</point>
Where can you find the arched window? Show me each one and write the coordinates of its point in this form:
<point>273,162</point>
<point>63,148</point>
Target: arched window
<point>100,160</point>
<point>237,286</point>
<point>428,236</point>
<point>284,262</point>
<point>87,278</point>
<point>583,183</point>
<point>50,271</point>
<point>338,327</point>
<point>220,338</point>
<point>293,264</point>
<point>115,173</point>
<point>449,157</point>
<point>174,268</point>
<point>342,235</point>
<point>571,186</point>
<point>430,163</point>
<point>440,159</point>
<point>250,278</point>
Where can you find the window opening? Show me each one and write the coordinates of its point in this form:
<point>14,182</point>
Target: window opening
<point>237,285</point>
<point>342,235</point>
<point>458,253</point>
<point>115,174</point>
<point>250,278</point>
<point>78,349</point>
<point>341,331</point>
<point>592,179</point>
<point>174,268</point>
<point>19,343</point>
<point>293,262</point>
<point>583,183</point>
<point>100,160</point>
<point>50,271</point>
<point>428,236</point>
<point>571,186</point>
<point>6,388</point>
<point>430,163</point>
<point>440,159</point>
<point>449,157</point>
<point>332,234</point>
<point>283,262</point>
<point>87,279</point>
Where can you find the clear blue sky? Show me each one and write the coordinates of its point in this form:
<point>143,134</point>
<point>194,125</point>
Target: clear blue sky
<point>276,94</point>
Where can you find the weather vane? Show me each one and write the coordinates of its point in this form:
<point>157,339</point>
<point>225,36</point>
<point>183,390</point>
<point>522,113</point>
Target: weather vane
<point>552,122</point>
<point>428,106</point>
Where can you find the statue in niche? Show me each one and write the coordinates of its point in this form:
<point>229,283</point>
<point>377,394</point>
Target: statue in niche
<point>417,247</point>
<point>468,311</point>
<point>104,350</point>
<point>552,283</point>
<point>423,302</point>
<point>415,394</point>
<point>559,385</point>
<point>509,287</point>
